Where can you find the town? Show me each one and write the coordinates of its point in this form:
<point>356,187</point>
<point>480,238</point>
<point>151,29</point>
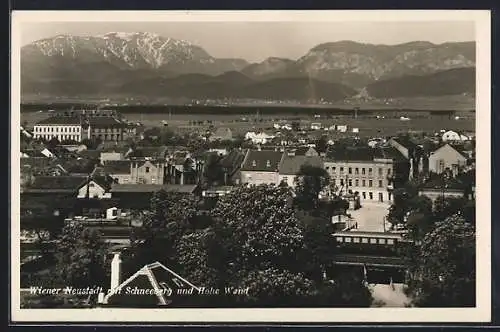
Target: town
<point>324,207</point>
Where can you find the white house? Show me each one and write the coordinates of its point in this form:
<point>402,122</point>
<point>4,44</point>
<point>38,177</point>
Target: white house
<point>342,128</point>
<point>93,189</point>
<point>47,153</point>
<point>453,136</point>
<point>260,138</point>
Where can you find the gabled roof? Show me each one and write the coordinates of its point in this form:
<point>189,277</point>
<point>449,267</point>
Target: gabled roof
<point>148,188</point>
<point>63,183</point>
<point>233,159</point>
<point>263,161</point>
<point>290,165</point>
<point>303,150</point>
<point>388,152</point>
<point>117,167</point>
<point>105,122</point>
<point>156,277</point>
<point>60,120</point>
<point>92,154</point>
<point>457,148</point>
<point>350,154</point>
<point>405,141</point>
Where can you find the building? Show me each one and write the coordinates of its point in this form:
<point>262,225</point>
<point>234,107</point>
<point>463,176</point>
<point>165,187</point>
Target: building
<point>63,128</point>
<point>453,136</point>
<point>445,158</point>
<point>289,167</point>
<point>107,128</point>
<point>119,170</point>
<point>147,172</point>
<point>221,134</point>
<point>439,187</point>
<point>95,187</point>
<point>404,145</point>
<point>111,156</point>
<point>261,167</point>
<point>364,170</point>
<point>231,165</point>
<point>166,288</point>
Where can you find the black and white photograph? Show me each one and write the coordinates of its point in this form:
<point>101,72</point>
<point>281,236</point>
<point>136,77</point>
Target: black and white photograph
<point>251,166</point>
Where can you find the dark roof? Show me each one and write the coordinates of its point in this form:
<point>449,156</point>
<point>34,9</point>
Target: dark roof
<point>388,152</point>
<point>32,162</point>
<point>92,154</point>
<point>262,161</point>
<point>69,183</point>
<point>350,154</point>
<point>149,152</point>
<point>105,122</point>
<point>145,188</point>
<point>103,181</point>
<point>60,120</point>
<point>290,165</point>
<point>34,153</point>
<point>405,141</point>
<point>302,150</point>
<point>117,167</point>
<point>233,159</point>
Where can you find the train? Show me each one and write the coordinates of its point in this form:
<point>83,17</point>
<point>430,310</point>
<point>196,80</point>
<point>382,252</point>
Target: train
<point>370,242</point>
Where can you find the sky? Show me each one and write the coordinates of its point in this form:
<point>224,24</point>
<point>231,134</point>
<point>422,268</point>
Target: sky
<point>256,41</point>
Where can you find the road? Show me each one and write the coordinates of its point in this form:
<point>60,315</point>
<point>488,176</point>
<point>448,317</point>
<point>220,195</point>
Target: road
<point>370,217</point>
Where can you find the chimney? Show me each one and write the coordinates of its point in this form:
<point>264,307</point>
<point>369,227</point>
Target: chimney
<point>116,270</point>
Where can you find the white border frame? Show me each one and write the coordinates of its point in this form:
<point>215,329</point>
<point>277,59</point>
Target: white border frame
<point>481,313</point>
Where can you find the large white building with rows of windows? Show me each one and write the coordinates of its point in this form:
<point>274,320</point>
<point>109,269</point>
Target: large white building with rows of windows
<point>62,128</point>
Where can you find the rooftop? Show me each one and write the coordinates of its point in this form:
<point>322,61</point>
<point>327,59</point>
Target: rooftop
<point>290,165</point>
<point>60,120</point>
<point>70,182</point>
<point>264,161</point>
<point>145,188</point>
<point>117,167</point>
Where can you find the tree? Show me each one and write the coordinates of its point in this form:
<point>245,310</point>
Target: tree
<point>213,173</point>
<point>322,144</point>
<point>265,249</point>
<point>81,257</point>
<point>448,206</point>
<point>444,273</point>
<point>171,215</point>
<point>419,218</point>
<point>309,182</point>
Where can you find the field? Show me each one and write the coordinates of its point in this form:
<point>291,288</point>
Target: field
<point>239,124</point>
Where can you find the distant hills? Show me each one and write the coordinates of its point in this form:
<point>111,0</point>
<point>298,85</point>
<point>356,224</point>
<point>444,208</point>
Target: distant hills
<point>145,64</point>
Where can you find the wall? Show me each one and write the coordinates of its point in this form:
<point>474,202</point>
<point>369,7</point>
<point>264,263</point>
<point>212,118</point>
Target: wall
<point>290,179</point>
<point>252,177</point>
<point>122,178</point>
<point>148,172</point>
<point>361,182</point>
<point>95,191</point>
<point>448,156</point>
<point>111,156</point>
<point>434,194</point>
<point>61,132</point>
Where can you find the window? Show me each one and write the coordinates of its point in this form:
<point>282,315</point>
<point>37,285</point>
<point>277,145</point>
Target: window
<point>388,171</point>
<point>91,184</point>
<point>147,169</point>
<point>350,170</point>
<point>341,170</point>
<point>390,241</point>
<point>350,183</point>
<point>347,240</point>
<point>355,239</point>
<point>369,171</point>
<point>332,181</point>
<point>356,182</point>
<point>356,171</point>
<point>380,171</point>
<point>340,239</point>
<point>341,182</point>
<point>381,241</point>
<point>364,195</point>
<point>380,183</point>
<point>370,183</point>
<point>364,240</point>
<point>363,182</point>
<point>114,213</point>
<point>334,169</point>
<point>373,241</point>
<point>268,163</point>
<point>153,180</point>
<point>327,168</point>
<point>371,195</point>
<point>363,171</point>
<point>254,163</point>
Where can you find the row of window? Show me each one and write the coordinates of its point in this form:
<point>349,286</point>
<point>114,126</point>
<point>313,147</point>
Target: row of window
<point>109,130</point>
<point>57,129</point>
<point>107,137</point>
<point>356,183</point>
<point>60,137</point>
<point>341,239</point>
<point>333,169</point>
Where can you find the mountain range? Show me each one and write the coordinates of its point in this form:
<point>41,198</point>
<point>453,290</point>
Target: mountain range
<point>146,64</point>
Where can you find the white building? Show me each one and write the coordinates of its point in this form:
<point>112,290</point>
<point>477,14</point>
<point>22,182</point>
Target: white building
<point>61,127</point>
<point>260,138</point>
<point>453,136</point>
